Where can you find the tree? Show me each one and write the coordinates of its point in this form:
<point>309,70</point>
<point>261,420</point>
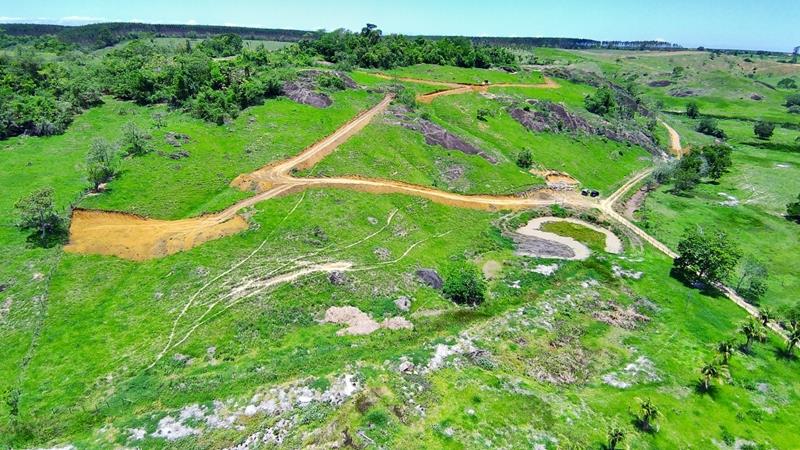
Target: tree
<point>787,83</point>
<point>765,315</point>
<point>688,172</point>
<point>38,212</point>
<point>793,210</point>
<point>709,372</point>
<point>707,257</point>
<point>135,140</point>
<point>792,337</point>
<point>790,314</point>
<point>763,129</point>
<point>692,110</point>
<point>648,414</point>
<point>725,351</point>
<point>101,162</point>
<point>464,285</point>
<point>615,437</point>
<point>752,331</point>
<point>718,160</point>
<point>525,159</point>
<point>752,280</point>
<point>710,127</point>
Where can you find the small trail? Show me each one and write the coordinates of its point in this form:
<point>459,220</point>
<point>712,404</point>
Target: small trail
<point>674,140</point>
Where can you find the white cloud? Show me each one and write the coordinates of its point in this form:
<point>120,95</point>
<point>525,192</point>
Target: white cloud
<point>6,19</point>
<point>191,22</point>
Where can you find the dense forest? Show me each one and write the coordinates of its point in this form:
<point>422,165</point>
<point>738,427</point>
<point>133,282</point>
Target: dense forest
<point>40,94</point>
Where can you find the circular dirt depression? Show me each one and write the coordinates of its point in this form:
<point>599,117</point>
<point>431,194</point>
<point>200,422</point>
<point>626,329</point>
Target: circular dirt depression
<point>532,241</point>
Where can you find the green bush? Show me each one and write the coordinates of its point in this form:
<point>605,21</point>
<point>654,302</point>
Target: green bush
<point>763,130</point>
<point>601,103</point>
<point>331,82</point>
<point>709,126</point>
<point>692,110</point>
<point>464,285</point>
<point>525,159</point>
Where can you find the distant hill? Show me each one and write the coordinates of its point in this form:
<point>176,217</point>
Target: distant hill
<point>105,34</point>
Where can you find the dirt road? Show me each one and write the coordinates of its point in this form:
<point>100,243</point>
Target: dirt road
<point>674,140</point>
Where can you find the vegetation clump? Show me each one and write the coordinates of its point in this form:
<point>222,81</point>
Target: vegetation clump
<point>463,284</point>
<point>793,210</point>
<point>601,103</point>
<point>710,127</point>
<point>524,159</point>
<point>763,130</point>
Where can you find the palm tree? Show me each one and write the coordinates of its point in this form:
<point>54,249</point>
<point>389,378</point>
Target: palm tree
<point>615,437</point>
<point>648,413</point>
<point>792,337</point>
<point>766,315</point>
<point>725,350</point>
<point>709,372</point>
<point>752,330</point>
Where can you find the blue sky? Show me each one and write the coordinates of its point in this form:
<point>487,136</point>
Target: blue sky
<point>752,24</point>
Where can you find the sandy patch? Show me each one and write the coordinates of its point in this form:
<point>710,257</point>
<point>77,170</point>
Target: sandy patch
<point>491,269</point>
<point>137,238</point>
<point>545,269</point>
<point>360,323</point>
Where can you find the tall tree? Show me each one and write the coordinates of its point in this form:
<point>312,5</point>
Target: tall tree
<point>707,257</point>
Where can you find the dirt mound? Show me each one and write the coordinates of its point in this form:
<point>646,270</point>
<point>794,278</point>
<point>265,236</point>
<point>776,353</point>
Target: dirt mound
<point>435,134</point>
<point>557,180</point>
<point>133,237</point>
<point>659,83</point>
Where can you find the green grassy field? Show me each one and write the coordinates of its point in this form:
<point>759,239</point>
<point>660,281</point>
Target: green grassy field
<point>158,186</point>
<point>722,85</point>
<point>100,352</point>
<point>763,180</point>
<point>464,75</point>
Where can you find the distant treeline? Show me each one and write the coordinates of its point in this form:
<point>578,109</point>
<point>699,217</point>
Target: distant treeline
<point>570,43</point>
<point>106,34</point>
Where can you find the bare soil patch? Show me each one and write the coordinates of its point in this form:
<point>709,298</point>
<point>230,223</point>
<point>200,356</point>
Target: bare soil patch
<point>360,323</point>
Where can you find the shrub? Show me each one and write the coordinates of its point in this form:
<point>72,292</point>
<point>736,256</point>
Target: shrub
<point>484,114</point>
<point>525,159</point>
<point>135,140</point>
<point>406,97</point>
<point>709,126</point>
<point>601,103</point>
<point>787,83</point>
<point>793,100</point>
<point>793,210</point>
<point>763,130</point>
<point>331,82</point>
<point>101,162</point>
<point>692,110</point>
<point>464,285</point>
